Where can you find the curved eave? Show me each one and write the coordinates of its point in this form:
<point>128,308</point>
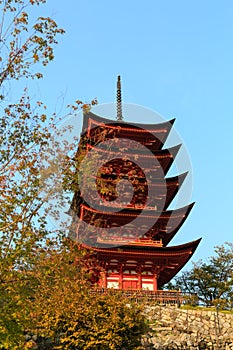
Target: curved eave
<point>165,157</point>
<point>171,271</point>
<point>153,136</point>
<point>142,250</point>
<point>147,214</point>
<point>168,236</point>
<point>172,151</point>
<point>170,259</point>
<point>173,186</point>
<point>98,119</point>
<point>147,139</point>
<point>163,226</point>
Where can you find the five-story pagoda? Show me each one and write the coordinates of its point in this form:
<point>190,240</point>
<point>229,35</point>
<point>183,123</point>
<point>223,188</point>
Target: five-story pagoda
<point>120,211</point>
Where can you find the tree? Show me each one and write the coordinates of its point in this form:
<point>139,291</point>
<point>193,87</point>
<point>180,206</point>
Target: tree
<point>43,287</point>
<point>25,129</point>
<point>26,143</point>
<point>212,281</point>
<point>24,44</point>
<point>66,312</point>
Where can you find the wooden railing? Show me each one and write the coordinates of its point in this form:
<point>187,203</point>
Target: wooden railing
<point>159,296</point>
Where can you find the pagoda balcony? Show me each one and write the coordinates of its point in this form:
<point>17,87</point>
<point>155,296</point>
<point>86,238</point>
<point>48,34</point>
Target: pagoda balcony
<point>116,240</point>
<point>176,297</point>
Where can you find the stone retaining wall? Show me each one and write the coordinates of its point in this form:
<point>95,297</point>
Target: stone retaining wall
<point>174,328</point>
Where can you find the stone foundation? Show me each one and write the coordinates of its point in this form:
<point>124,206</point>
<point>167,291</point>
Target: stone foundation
<point>174,328</point>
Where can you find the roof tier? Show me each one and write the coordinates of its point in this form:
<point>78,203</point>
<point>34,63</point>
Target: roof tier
<point>159,161</point>
<point>163,192</point>
<point>97,129</point>
<point>130,224</point>
<point>166,261</point>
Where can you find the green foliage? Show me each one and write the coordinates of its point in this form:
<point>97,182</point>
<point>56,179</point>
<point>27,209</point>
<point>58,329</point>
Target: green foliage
<point>212,281</point>
<point>25,135</point>
<point>44,288</point>
<point>23,43</point>
<point>53,299</point>
<point>66,312</point>
<point>26,146</point>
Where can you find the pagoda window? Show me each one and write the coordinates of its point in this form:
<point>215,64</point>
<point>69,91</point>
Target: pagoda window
<point>147,273</point>
<point>113,261</point>
<point>131,262</point>
<point>130,272</point>
<point>131,265</point>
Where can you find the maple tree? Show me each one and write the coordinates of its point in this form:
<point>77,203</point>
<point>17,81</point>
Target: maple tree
<point>71,315</point>
<point>44,289</point>
<point>24,126</point>
<point>26,140</point>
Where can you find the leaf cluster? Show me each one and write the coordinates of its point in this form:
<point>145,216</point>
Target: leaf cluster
<point>53,300</point>
<point>44,285</point>
<point>74,318</point>
<point>23,42</point>
<point>211,281</point>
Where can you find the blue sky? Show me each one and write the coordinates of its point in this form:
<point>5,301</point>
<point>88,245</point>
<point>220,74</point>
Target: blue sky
<point>174,57</point>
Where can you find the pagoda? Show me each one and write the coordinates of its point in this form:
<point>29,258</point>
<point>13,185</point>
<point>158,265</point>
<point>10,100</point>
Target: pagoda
<point>128,237</point>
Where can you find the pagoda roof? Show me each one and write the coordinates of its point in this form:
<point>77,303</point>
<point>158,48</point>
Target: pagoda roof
<point>165,157</point>
<point>168,260</point>
<point>167,188</point>
<point>135,223</point>
<point>156,134</point>
<point>165,126</point>
<point>173,185</point>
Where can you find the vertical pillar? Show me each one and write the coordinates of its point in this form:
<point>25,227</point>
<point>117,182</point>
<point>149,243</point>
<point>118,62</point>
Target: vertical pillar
<point>155,282</point>
<point>120,277</point>
<point>139,277</point>
<point>105,279</point>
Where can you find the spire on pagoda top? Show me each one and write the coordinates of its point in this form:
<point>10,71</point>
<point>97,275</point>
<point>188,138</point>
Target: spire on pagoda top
<point>119,101</point>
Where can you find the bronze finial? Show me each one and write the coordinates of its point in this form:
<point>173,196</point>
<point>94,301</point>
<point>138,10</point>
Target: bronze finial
<point>119,102</point>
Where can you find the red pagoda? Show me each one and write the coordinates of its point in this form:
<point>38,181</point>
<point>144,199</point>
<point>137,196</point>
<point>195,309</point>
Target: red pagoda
<point>128,237</point>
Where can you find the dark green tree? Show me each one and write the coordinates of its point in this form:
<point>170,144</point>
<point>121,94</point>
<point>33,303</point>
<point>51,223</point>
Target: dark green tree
<point>211,281</point>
